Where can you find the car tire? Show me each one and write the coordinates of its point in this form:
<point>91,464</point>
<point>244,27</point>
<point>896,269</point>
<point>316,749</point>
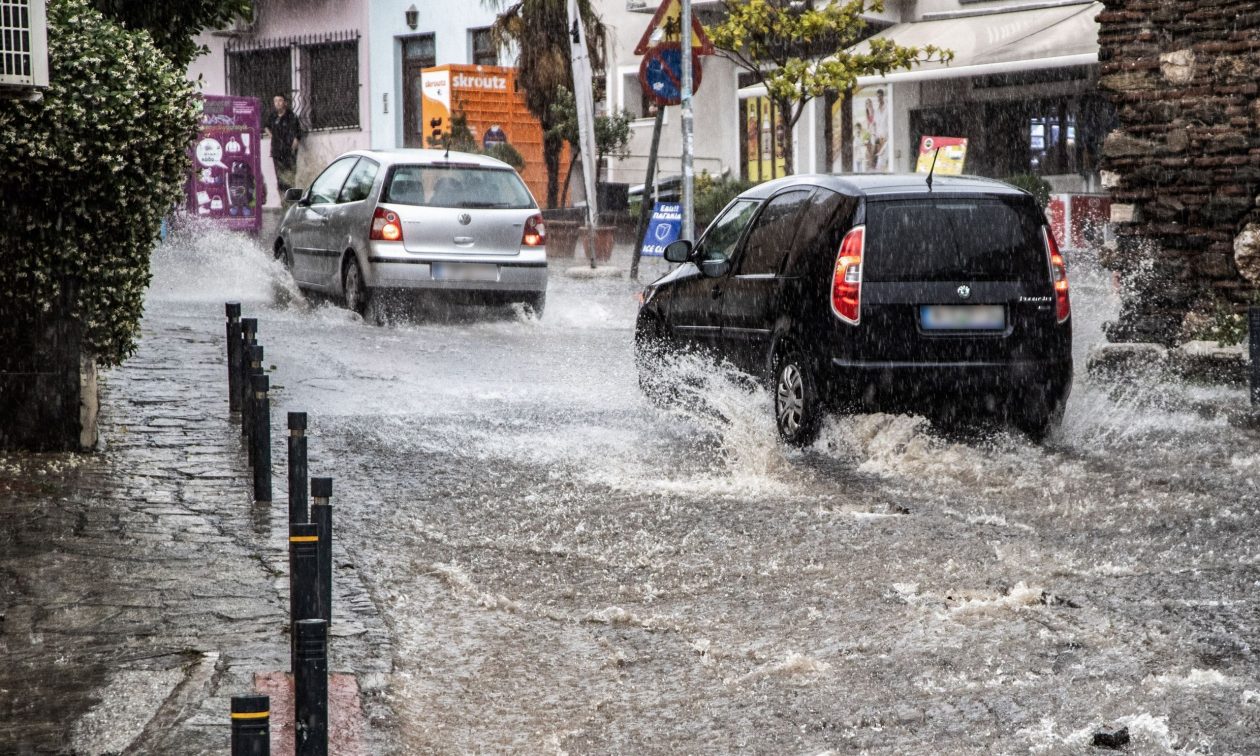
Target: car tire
<point>651,346</point>
<point>535,305</point>
<point>798,407</point>
<point>285,256</point>
<point>1036,418</point>
<point>354,291</point>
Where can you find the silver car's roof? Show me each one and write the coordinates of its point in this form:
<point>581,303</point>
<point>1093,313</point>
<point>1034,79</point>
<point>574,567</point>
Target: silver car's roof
<point>402,156</point>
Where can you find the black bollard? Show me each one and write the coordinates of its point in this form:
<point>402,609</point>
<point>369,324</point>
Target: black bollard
<point>310,688</point>
<point>262,439</point>
<point>251,726</point>
<point>249,337</point>
<point>303,579</point>
<point>1253,336</point>
<point>253,366</point>
<point>321,517</point>
<point>297,467</point>
<point>233,310</point>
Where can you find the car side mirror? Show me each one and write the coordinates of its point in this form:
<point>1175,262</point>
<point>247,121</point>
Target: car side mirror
<point>715,268</point>
<point>678,251</point>
<point>294,194</point>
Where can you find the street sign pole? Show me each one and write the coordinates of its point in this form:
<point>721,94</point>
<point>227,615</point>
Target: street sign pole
<point>688,140</point>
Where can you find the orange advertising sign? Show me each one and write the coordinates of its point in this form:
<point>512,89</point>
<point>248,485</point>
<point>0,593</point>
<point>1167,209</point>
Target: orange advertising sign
<point>496,113</point>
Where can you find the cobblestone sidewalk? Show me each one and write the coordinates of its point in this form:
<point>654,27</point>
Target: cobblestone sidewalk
<point>139,587</point>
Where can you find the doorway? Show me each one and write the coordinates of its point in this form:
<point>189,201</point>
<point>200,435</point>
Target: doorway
<point>418,53</point>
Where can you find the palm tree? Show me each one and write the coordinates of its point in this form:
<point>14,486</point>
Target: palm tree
<point>539,31</point>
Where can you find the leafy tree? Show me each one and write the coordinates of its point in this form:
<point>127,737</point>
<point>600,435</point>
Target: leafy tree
<point>612,132</point>
<point>539,32</point>
<point>802,49</point>
<point>88,173</point>
<point>173,24</point>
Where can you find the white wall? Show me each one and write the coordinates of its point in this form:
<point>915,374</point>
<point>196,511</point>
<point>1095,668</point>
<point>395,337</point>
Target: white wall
<point>449,23</point>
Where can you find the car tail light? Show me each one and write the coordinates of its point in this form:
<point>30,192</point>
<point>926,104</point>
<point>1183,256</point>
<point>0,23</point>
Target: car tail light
<point>1058,275</point>
<point>846,281</point>
<point>535,232</point>
<point>386,226</point>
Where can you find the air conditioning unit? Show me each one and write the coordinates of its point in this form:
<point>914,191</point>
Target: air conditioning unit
<point>23,47</point>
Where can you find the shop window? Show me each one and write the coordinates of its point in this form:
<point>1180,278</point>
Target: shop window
<point>761,134</point>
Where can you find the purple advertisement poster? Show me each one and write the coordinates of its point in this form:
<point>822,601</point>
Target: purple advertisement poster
<point>226,184</point>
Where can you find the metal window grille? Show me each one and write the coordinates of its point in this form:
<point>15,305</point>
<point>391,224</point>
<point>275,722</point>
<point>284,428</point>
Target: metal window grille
<point>330,79</point>
<point>23,43</point>
<point>484,53</point>
<point>319,73</point>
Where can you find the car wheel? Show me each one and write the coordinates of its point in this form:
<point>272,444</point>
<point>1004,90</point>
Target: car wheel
<point>1036,418</point>
<point>651,346</point>
<point>535,304</point>
<point>356,292</point>
<point>797,408</point>
<point>284,256</point>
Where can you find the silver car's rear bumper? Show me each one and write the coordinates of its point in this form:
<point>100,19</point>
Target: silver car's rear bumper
<point>390,269</point>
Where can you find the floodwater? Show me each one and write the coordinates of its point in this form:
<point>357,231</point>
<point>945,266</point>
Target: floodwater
<point>565,568</point>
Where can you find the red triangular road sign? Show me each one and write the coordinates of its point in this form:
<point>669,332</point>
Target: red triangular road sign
<point>668,16</point>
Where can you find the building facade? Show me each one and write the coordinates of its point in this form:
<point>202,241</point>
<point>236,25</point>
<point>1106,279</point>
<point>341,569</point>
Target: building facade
<point>351,69</point>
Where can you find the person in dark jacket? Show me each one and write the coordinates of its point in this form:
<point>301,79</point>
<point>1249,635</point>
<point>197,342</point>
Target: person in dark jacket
<point>286,133</point>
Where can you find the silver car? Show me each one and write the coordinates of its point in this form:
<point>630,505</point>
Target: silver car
<point>424,221</point>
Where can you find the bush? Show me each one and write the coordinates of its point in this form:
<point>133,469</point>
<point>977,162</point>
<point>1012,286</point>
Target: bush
<point>89,172</point>
<point>1035,185</point>
<point>711,195</point>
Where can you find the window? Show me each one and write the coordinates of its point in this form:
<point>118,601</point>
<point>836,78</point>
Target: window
<point>771,238</point>
<point>330,83</point>
<point>720,240</point>
<point>484,52</point>
<point>636,102</point>
<point>320,76</point>
<point>442,186</point>
<point>420,50</point>
<point>262,73</point>
<point>327,186</point>
<point>359,185</point>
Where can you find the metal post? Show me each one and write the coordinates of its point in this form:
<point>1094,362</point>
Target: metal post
<point>303,579</point>
<point>297,467</point>
<point>310,688</point>
<point>233,310</point>
<point>251,726</point>
<point>254,361</point>
<point>1253,337</point>
<point>249,337</point>
<point>321,516</point>
<point>262,439</point>
<point>688,118</point>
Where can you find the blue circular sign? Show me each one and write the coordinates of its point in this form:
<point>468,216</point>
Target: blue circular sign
<point>660,73</point>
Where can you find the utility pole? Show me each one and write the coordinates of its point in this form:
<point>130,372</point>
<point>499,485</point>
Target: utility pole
<point>688,139</point>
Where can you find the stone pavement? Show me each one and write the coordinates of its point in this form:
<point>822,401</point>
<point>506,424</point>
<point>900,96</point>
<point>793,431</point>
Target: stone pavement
<point>140,588</point>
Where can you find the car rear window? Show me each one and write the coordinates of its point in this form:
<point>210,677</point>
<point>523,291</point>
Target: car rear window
<point>457,186</point>
<point>954,239</point>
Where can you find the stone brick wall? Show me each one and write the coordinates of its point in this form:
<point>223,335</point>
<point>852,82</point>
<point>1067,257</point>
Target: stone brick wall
<point>1184,164</point>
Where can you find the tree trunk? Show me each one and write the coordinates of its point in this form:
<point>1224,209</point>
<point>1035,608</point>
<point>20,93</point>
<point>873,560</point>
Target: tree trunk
<point>645,209</point>
<point>552,147</point>
<point>789,141</point>
<point>568,175</point>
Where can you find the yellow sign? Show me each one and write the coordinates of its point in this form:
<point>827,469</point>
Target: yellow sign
<point>668,19</point>
<point>950,155</point>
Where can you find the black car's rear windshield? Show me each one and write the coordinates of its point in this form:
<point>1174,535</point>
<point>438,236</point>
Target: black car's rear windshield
<point>954,239</point>
<point>469,186</point>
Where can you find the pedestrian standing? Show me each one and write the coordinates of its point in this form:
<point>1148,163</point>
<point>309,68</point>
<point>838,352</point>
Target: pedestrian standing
<point>286,133</point>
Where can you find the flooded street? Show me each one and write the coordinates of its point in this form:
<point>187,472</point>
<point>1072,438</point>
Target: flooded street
<point>565,568</point>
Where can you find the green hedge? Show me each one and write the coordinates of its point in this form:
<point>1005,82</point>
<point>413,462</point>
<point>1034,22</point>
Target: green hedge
<point>86,175</point>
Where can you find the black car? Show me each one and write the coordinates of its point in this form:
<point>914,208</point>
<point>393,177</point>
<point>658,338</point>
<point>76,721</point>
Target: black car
<point>874,292</point>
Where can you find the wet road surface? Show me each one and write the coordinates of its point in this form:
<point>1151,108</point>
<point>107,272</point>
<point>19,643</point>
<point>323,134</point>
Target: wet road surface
<point>564,568</point>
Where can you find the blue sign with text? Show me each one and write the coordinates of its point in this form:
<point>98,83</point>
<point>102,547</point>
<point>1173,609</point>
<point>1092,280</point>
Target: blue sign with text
<point>664,227</point>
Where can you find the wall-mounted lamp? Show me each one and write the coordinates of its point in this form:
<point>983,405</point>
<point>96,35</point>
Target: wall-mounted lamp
<point>413,17</point>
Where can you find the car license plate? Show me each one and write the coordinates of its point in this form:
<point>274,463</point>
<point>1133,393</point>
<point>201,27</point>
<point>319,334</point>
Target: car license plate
<point>962,317</point>
<point>464,272</point>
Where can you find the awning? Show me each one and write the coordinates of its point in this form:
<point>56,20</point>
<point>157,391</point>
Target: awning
<point>996,43</point>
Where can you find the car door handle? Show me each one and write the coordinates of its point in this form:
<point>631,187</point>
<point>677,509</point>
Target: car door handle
<point>715,292</point>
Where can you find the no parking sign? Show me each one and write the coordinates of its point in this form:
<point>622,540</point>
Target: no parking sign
<point>664,227</point>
